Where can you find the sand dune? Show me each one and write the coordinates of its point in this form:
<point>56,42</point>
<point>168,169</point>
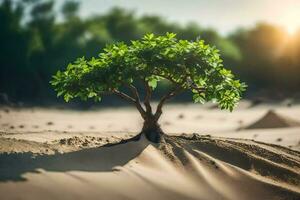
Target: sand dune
<point>68,154</point>
<point>273,120</point>
<point>180,167</point>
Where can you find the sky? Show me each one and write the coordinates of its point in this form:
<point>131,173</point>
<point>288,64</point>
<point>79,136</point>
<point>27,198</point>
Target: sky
<point>222,15</point>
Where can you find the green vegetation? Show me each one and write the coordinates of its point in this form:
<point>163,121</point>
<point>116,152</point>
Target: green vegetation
<point>193,66</point>
<point>34,45</point>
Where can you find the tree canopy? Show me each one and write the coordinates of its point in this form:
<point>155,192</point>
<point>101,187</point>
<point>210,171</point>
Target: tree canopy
<point>187,65</point>
<point>40,37</point>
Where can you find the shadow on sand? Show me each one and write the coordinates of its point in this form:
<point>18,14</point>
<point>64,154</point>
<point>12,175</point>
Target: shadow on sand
<point>100,159</point>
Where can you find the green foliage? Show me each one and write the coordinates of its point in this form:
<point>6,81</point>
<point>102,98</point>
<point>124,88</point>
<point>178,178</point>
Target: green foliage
<point>35,44</point>
<point>193,66</point>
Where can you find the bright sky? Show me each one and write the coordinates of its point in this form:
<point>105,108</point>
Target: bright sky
<point>223,15</point>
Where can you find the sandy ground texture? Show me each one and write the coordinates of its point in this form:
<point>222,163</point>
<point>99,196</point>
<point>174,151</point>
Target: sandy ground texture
<point>277,123</point>
<point>252,153</point>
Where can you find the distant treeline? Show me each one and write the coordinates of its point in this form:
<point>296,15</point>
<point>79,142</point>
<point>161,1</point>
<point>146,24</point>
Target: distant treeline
<point>34,46</point>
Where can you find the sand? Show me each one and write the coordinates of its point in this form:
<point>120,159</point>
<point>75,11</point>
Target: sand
<point>48,124</point>
<point>64,154</point>
<point>186,167</point>
<point>273,120</point>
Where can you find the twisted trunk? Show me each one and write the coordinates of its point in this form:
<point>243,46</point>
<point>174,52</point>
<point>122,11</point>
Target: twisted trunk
<point>151,129</point>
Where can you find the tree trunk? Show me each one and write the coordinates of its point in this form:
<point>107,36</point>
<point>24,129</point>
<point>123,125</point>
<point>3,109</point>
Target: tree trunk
<point>151,129</point>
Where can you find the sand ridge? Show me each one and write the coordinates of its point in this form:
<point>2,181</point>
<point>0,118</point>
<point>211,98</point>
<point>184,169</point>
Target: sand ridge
<point>273,120</point>
<point>48,153</point>
<point>180,167</point>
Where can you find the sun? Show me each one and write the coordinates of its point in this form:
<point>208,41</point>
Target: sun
<point>291,21</point>
<point>292,28</point>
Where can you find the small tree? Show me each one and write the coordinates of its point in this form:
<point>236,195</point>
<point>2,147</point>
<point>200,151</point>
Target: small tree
<point>193,66</point>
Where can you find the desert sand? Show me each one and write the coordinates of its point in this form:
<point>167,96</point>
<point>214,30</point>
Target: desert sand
<point>206,154</point>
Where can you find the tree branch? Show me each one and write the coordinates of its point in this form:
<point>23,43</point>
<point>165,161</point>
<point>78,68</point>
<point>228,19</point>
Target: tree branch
<point>133,90</point>
<point>124,96</point>
<point>166,97</point>
<point>135,93</point>
<point>168,78</point>
<point>194,87</point>
<point>148,91</point>
<point>131,100</point>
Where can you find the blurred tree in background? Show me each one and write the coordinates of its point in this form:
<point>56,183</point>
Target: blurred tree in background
<point>35,44</point>
<point>270,58</point>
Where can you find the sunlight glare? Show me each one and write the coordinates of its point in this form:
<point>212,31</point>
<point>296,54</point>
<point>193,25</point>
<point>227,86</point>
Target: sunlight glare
<point>292,28</point>
<point>291,21</point>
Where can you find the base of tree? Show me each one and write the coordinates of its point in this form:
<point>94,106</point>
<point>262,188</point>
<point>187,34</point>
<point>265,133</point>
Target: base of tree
<point>152,131</point>
<point>153,135</point>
